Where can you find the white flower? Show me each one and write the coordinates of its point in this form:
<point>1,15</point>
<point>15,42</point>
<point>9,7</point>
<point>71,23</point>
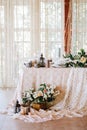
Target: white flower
<point>39,93</point>
<point>28,95</point>
<point>45,96</point>
<point>75,61</point>
<point>35,95</point>
<point>49,95</point>
<point>52,91</point>
<point>83,59</point>
<point>48,92</point>
<point>30,99</point>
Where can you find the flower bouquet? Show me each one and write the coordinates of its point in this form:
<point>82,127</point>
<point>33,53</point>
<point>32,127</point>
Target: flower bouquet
<point>43,98</point>
<point>79,60</point>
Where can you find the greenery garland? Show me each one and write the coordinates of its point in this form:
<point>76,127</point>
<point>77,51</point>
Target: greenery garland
<point>79,60</point>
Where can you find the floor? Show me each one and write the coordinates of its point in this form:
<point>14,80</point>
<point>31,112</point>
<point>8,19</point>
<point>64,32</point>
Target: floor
<point>7,123</point>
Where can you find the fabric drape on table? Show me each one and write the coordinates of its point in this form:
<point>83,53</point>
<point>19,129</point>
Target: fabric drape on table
<point>72,80</point>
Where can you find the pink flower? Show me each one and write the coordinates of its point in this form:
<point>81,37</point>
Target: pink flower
<point>45,91</point>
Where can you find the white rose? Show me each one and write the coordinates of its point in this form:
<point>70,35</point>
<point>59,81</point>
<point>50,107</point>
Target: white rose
<point>83,59</point>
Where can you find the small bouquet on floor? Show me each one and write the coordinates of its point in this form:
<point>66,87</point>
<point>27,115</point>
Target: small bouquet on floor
<point>43,98</point>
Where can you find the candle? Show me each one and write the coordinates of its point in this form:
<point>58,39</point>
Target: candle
<point>59,52</point>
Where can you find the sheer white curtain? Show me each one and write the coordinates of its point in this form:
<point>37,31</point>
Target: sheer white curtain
<point>79,25</point>
<point>28,28</point>
<point>15,46</point>
<point>52,20</point>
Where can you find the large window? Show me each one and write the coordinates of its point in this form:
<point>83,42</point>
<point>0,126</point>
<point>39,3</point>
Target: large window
<point>27,29</point>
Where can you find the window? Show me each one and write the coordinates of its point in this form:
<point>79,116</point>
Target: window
<point>27,29</point>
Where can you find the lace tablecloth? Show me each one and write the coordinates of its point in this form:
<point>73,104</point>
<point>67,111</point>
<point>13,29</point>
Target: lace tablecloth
<point>72,80</point>
<point>33,77</point>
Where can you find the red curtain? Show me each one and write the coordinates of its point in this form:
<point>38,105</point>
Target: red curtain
<point>68,25</point>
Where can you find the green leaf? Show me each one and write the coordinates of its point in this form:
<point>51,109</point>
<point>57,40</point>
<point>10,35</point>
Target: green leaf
<point>82,52</point>
<point>71,57</point>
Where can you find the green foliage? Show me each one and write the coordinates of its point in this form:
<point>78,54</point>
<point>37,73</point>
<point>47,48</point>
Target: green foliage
<point>77,64</point>
<point>78,60</point>
<point>81,53</point>
<point>69,56</point>
<point>69,64</point>
<point>24,100</point>
<point>43,86</point>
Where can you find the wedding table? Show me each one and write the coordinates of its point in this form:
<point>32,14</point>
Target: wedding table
<point>72,80</point>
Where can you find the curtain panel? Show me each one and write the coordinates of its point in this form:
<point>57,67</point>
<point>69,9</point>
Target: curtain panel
<point>27,29</point>
<point>75,25</point>
<point>67,25</point>
<point>79,25</point>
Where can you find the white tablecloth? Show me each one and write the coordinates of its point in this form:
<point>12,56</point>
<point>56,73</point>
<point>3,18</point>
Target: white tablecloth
<point>73,80</point>
<point>33,77</point>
